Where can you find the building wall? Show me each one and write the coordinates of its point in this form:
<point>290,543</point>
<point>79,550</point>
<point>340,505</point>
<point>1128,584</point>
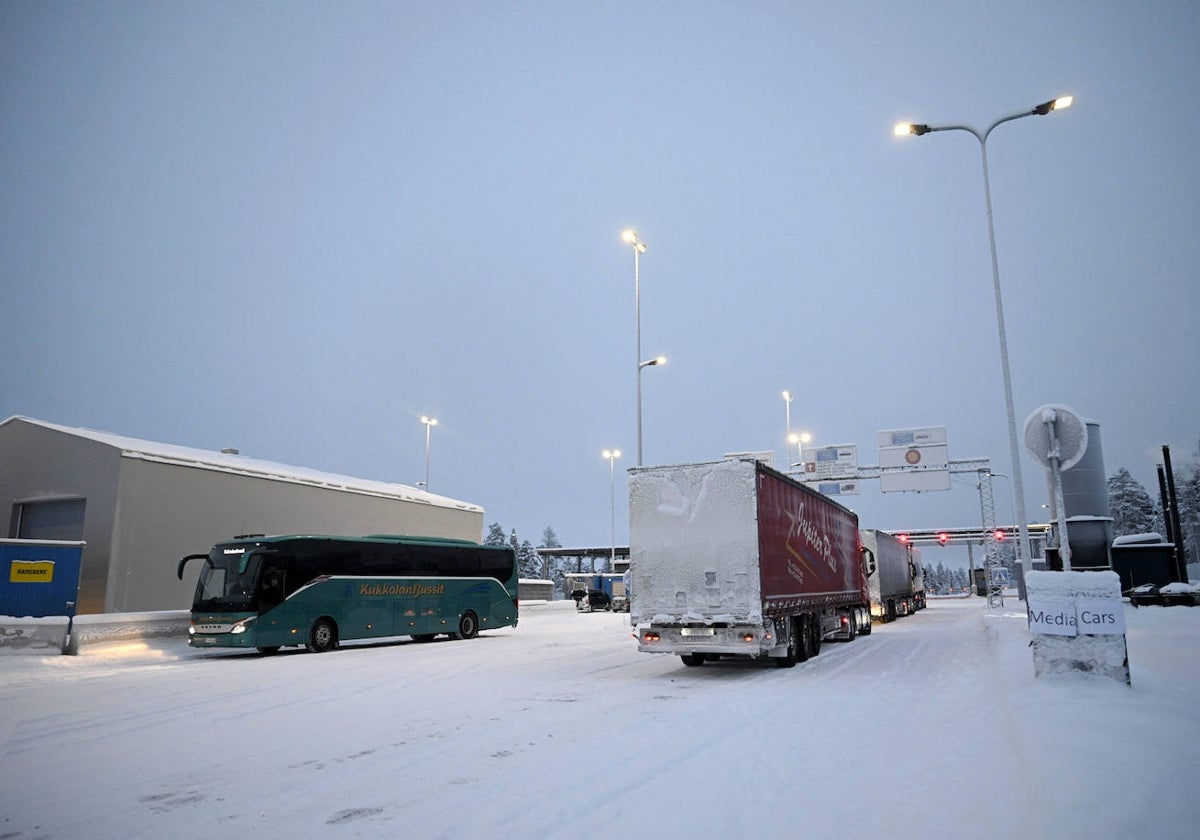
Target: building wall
<point>168,511</point>
<point>39,464</point>
<point>143,515</point>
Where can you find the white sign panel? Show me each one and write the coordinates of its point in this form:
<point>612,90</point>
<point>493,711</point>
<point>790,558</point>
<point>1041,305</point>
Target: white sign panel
<point>1052,616</point>
<point>936,455</point>
<point>913,437</point>
<point>1100,616</point>
<point>1066,616</point>
<point>830,462</point>
<point>835,488</point>
<point>914,481</point>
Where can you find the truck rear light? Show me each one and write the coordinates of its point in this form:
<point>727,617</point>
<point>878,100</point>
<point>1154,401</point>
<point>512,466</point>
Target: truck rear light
<point>650,636</point>
<point>747,637</point>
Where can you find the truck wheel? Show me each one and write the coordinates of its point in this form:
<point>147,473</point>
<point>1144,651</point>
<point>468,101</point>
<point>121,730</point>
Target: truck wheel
<point>789,659</point>
<point>692,659</point>
<point>468,626</point>
<point>865,630</point>
<point>816,634</point>
<point>852,627</point>
<point>802,630</point>
<point>323,636</point>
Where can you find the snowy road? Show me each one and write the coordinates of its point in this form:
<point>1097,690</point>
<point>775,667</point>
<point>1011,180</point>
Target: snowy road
<point>931,726</point>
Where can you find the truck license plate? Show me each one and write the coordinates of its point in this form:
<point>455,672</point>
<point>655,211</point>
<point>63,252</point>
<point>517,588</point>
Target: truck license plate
<point>695,631</point>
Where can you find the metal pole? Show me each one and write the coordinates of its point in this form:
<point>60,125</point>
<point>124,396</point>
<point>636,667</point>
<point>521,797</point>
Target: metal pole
<point>428,430</point>
<point>1013,446</point>
<point>612,502</point>
<point>637,316</point>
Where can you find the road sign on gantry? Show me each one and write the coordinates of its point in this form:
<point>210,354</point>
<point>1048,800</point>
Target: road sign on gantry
<point>914,460</point>
<point>830,463</point>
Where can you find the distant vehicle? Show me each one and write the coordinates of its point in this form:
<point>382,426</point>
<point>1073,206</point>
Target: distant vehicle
<point>734,558</point>
<point>270,592</point>
<point>612,584</point>
<point>897,586</point>
<point>591,600</point>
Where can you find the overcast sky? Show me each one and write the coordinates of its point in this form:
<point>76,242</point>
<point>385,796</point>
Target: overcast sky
<point>295,228</point>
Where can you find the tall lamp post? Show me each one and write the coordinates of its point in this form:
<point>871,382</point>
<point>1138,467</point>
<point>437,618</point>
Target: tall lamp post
<point>612,455</point>
<point>904,129</point>
<point>429,422</point>
<point>639,248</point>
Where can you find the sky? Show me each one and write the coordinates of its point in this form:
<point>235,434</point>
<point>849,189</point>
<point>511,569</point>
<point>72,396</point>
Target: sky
<point>295,229</point>
<point>931,726</point>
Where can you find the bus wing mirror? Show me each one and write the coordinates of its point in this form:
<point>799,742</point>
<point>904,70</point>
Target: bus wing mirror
<point>183,562</point>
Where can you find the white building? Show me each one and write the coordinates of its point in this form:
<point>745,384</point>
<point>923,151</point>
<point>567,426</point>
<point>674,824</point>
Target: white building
<point>141,506</point>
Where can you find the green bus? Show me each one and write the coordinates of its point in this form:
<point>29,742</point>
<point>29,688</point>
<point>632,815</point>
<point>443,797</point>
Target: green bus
<point>268,592</point>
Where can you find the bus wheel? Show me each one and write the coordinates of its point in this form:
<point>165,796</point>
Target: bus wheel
<point>323,636</point>
<point>267,651</point>
<point>468,626</point>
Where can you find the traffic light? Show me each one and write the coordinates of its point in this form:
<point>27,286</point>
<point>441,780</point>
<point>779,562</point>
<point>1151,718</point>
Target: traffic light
<point>999,535</point>
<point>943,538</point>
<point>903,538</point>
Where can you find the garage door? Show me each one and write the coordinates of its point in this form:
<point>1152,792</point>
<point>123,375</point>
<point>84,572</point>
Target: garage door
<point>58,520</point>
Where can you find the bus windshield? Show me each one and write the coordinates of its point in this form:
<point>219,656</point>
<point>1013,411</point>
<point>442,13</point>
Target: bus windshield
<point>228,579</point>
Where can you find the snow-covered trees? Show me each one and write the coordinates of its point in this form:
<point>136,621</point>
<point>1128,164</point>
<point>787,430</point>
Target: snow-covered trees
<point>1132,509</point>
<point>529,563</point>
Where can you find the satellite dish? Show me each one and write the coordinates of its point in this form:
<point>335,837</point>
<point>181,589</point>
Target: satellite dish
<point>1056,431</point>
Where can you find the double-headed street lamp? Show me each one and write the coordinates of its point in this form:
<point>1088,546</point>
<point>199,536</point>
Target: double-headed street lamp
<point>429,422</point>
<point>639,248</point>
<point>612,455</point>
<point>904,129</point>
<point>800,439</point>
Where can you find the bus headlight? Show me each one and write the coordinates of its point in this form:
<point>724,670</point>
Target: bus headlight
<point>242,626</point>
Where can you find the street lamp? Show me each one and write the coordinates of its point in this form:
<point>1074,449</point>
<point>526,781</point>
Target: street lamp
<point>639,248</point>
<point>429,422</point>
<point>904,129</point>
<point>612,455</point>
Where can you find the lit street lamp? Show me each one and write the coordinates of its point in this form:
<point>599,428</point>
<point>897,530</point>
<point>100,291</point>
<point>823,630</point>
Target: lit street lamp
<point>904,129</point>
<point>612,455</point>
<point>429,422</point>
<point>639,248</point>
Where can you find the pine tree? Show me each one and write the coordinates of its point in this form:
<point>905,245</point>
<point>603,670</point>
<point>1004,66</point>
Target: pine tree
<point>1187,488</point>
<point>495,535</point>
<point>528,562</point>
<point>1132,509</point>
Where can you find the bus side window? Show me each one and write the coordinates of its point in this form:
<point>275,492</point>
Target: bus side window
<point>273,581</point>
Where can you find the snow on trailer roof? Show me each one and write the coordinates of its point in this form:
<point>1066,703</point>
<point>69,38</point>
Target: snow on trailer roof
<point>237,464</point>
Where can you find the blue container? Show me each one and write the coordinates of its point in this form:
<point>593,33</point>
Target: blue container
<point>39,578</point>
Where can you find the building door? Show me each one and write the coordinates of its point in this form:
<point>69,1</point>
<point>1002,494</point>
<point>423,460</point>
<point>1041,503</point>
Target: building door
<point>61,519</point>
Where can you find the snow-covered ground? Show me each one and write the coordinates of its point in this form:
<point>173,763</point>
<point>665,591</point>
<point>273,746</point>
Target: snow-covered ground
<point>933,726</point>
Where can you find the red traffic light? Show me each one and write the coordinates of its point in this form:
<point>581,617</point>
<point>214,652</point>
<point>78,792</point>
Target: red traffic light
<point>943,538</point>
<point>999,535</point>
<point>903,538</point>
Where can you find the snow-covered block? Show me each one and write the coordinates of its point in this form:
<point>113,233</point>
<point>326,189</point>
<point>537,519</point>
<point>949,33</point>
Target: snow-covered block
<point>33,635</point>
<point>1078,624</point>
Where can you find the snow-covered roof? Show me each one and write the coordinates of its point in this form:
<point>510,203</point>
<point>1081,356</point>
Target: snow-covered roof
<point>237,464</point>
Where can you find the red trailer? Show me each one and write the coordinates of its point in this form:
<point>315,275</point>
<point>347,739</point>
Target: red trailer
<point>731,558</point>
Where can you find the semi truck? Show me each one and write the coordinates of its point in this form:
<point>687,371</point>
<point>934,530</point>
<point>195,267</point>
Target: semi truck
<point>897,586</point>
<point>732,558</point>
